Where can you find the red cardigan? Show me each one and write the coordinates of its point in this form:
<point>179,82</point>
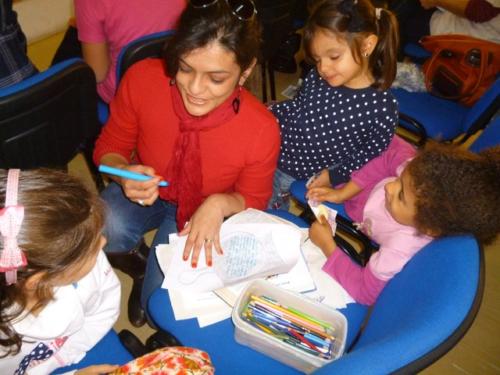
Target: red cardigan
<point>238,156</point>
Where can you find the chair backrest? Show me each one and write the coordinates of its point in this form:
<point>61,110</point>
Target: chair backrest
<point>46,118</point>
<point>151,45</point>
<point>483,110</point>
<point>488,138</point>
<point>422,312</point>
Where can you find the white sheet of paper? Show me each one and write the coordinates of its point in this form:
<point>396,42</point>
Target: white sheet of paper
<point>328,290</point>
<point>250,251</point>
<point>209,307</point>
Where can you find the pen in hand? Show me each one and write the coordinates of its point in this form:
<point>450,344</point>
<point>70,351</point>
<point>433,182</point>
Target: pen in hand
<point>128,174</point>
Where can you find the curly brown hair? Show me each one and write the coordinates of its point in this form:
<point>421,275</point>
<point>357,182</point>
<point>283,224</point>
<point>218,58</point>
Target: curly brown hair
<point>457,191</point>
<point>63,220</point>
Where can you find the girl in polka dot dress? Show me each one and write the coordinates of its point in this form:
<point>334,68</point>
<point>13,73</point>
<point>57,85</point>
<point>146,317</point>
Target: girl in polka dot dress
<point>59,295</point>
<point>343,116</point>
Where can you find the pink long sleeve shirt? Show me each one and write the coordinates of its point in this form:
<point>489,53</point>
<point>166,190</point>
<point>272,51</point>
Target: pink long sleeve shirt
<point>398,243</point>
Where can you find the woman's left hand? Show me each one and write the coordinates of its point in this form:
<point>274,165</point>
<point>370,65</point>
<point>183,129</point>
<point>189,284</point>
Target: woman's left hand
<point>203,231</point>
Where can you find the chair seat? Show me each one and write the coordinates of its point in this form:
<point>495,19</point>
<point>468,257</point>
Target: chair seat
<point>109,350</point>
<point>442,124</point>
<point>218,339</point>
<point>416,52</point>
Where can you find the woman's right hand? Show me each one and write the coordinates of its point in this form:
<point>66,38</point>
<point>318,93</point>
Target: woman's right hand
<point>142,192</point>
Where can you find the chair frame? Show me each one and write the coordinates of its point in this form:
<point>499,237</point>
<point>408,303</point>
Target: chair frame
<point>152,45</point>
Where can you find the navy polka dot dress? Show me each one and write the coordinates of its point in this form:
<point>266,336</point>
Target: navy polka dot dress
<point>333,127</point>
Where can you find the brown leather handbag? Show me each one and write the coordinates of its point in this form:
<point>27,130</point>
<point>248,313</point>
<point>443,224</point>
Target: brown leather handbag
<point>461,68</point>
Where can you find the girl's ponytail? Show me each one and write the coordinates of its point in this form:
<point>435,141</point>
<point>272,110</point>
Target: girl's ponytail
<point>384,57</point>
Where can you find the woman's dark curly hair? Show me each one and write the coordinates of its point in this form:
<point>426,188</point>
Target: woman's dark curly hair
<point>199,27</point>
<point>457,191</point>
<point>63,220</point>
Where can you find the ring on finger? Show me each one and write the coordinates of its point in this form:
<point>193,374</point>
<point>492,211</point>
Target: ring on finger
<point>208,240</point>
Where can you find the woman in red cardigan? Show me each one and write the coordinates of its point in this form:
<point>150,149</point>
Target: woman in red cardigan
<point>187,119</point>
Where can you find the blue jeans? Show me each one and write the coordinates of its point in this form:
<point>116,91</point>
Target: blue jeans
<point>281,191</point>
<point>127,222</point>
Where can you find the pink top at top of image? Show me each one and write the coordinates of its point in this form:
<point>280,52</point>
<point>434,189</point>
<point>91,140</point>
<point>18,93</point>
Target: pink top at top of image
<point>118,22</point>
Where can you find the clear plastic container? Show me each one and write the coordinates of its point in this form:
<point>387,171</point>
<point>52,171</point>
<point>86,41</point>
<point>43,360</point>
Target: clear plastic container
<point>250,336</point>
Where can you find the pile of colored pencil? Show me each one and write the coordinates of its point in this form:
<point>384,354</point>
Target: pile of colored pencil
<point>289,325</point>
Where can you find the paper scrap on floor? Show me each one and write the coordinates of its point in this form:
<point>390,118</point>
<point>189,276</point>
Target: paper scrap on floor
<point>211,307</point>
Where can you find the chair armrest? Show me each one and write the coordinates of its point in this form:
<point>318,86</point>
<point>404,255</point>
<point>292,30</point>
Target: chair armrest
<point>411,125</point>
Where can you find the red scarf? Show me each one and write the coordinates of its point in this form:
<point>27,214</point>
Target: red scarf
<point>184,170</point>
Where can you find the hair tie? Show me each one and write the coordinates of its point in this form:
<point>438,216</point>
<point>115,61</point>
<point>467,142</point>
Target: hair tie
<point>348,9</point>
<point>11,218</point>
<point>378,12</point>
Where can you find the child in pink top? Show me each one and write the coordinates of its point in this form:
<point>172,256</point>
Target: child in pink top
<point>441,191</point>
<point>105,26</point>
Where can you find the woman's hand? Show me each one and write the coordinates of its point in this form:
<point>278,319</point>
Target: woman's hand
<point>96,370</point>
<point>143,192</point>
<point>321,235</point>
<point>203,231</point>
<point>322,194</point>
<point>319,180</point>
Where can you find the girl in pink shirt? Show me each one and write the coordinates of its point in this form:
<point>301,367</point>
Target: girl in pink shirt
<point>442,191</point>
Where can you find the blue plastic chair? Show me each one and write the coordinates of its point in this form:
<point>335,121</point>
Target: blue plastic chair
<point>416,52</point>
<point>414,322</point>
<point>49,117</point>
<point>226,354</point>
<point>428,116</point>
<point>489,137</point>
<point>422,313</point>
<point>150,45</point>
<point>109,350</point>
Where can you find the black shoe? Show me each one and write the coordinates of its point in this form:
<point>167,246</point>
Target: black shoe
<point>132,343</point>
<point>161,339</point>
<point>136,314</point>
<point>133,262</point>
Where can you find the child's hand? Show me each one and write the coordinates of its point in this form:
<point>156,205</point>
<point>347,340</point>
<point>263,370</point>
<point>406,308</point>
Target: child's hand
<point>322,236</point>
<point>322,194</point>
<point>96,370</point>
<point>320,179</point>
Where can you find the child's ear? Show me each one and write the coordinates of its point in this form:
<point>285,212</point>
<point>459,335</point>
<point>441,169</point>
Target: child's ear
<point>369,44</point>
<point>246,73</point>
